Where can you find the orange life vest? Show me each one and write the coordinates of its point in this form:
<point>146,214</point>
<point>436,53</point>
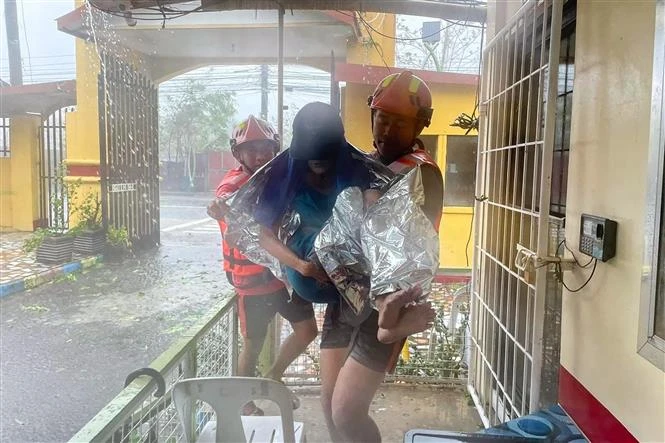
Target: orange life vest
<point>419,157</point>
<point>244,275</point>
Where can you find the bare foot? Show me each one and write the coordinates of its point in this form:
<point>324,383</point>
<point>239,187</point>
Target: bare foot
<point>390,305</point>
<point>414,319</point>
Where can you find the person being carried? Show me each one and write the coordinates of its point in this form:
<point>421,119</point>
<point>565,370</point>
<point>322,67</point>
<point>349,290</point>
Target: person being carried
<point>319,165</point>
<point>260,295</point>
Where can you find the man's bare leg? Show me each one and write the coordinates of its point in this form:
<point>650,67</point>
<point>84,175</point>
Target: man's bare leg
<point>248,356</point>
<point>390,306</point>
<point>414,319</point>
<point>304,332</point>
<point>332,360</point>
<point>247,367</point>
<point>355,388</point>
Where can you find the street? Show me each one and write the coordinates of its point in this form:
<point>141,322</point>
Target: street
<point>67,346</point>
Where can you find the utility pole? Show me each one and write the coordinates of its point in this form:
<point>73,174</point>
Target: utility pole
<point>280,76</point>
<point>264,92</point>
<point>13,44</point>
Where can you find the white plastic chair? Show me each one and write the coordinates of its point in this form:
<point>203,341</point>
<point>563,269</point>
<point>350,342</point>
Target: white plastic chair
<point>227,396</point>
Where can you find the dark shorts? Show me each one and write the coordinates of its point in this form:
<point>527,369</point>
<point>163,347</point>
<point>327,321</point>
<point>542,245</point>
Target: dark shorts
<point>364,346</point>
<point>256,311</point>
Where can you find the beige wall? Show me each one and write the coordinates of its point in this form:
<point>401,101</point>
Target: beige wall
<point>607,177</point>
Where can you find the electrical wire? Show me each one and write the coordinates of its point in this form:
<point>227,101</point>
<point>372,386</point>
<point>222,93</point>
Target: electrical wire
<point>25,37</point>
<point>559,272</point>
<point>403,39</point>
<point>577,262</point>
<point>560,277</point>
<point>160,13</point>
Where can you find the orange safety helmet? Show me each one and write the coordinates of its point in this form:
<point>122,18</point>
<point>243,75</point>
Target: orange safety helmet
<point>404,94</point>
<point>253,129</point>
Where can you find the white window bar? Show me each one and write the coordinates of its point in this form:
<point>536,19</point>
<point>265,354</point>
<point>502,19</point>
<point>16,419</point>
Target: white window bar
<point>517,109</point>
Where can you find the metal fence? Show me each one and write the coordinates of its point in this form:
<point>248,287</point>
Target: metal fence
<point>52,154</point>
<point>438,355</point>
<point>210,348</point>
<point>129,151</point>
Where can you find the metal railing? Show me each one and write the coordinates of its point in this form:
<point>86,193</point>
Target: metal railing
<point>210,348</point>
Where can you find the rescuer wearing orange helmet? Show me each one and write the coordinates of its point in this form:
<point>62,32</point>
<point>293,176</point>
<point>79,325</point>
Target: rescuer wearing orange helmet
<point>401,107</point>
<point>260,295</point>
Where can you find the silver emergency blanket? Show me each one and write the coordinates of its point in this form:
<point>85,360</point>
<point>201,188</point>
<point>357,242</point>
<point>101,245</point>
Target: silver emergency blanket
<point>399,241</point>
<point>365,251</point>
<point>243,231</point>
<point>390,247</point>
<point>339,250</point>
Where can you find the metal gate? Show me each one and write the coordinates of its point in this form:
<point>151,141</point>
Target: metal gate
<point>518,97</point>
<point>53,211</point>
<point>129,153</point>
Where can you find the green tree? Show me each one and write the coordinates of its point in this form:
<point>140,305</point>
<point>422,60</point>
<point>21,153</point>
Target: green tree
<point>458,49</point>
<point>196,120</point>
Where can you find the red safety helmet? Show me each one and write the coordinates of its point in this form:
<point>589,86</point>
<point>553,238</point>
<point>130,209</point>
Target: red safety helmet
<point>403,94</point>
<point>253,129</point>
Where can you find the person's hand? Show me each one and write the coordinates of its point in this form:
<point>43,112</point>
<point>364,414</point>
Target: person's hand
<point>217,209</point>
<point>309,269</point>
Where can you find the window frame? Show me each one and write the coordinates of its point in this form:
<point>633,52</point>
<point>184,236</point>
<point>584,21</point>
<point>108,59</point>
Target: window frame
<point>649,345</point>
<point>446,182</point>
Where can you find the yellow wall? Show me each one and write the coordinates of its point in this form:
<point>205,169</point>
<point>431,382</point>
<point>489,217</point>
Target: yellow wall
<point>448,102</point>
<point>24,181</point>
<point>607,177</point>
<point>5,194</point>
<point>82,125</point>
<point>382,51</point>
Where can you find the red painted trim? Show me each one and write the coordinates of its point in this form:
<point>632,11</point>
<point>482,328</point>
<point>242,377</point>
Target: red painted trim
<point>594,420</point>
<point>83,170</point>
<point>342,16</point>
<point>373,74</point>
<point>451,278</point>
<point>66,86</point>
<point>72,23</point>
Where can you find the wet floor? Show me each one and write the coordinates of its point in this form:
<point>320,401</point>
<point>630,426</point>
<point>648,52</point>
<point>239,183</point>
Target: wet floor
<point>67,346</point>
<point>398,408</point>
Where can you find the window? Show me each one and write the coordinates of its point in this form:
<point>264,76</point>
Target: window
<point>460,170</point>
<point>651,336</point>
<point>564,107</point>
<point>4,137</point>
<point>430,143</point>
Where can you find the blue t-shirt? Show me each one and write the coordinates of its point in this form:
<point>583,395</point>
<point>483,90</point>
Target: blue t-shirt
<point>314,209</point>
<point>285,188</point>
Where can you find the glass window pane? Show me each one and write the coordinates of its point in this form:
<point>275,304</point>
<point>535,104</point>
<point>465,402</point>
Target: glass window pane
<point>460,170</point>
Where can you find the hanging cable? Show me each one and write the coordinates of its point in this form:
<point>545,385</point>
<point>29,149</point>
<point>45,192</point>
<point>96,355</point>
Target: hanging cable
<point>559,272</point>
<point>481,199</point>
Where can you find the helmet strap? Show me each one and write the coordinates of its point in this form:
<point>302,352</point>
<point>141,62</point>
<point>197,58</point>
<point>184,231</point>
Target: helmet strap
<point>236,154</point>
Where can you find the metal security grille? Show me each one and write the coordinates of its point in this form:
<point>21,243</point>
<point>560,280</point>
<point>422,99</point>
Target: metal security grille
<point>52,152</point>
<point>129,152</point>
<point>4,137</point>
<point>518,97</point>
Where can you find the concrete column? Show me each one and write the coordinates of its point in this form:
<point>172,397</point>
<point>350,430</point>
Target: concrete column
<point>24,136</point>
<point>82,127</point>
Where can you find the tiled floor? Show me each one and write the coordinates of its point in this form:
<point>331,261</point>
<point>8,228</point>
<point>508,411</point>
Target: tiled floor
<point>14,263</point>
